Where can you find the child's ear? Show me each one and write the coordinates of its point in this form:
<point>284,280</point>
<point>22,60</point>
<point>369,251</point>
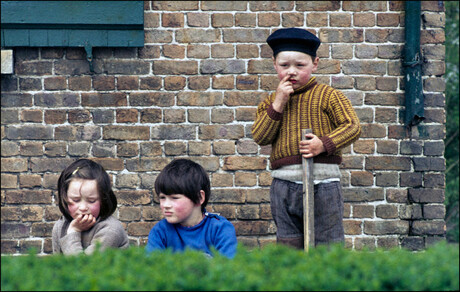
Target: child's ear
<point>202,197</point>
<point>315,64</point>
<point>316,61</point>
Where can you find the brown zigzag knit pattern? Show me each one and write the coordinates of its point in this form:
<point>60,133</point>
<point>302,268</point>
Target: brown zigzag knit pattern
<point>325,110</point>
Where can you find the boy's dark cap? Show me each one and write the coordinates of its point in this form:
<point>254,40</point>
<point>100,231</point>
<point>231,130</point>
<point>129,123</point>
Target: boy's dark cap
<point>293,39</point>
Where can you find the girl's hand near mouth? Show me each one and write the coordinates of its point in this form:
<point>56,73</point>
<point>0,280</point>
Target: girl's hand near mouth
<point>83,222</point>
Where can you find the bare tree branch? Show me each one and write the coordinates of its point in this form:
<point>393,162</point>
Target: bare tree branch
<point>451,138</point>
<point>452,166</point>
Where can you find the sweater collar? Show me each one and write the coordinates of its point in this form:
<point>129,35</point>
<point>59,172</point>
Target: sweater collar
<point>194,227</point>
<point>310,84</point>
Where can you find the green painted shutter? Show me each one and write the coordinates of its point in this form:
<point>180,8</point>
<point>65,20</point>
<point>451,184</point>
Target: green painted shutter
<point>72,24</point>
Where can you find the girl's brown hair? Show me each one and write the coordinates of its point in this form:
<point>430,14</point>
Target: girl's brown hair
<point>87,169</point>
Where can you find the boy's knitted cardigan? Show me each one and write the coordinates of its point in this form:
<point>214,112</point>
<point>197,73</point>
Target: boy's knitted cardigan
<point>325,110</point>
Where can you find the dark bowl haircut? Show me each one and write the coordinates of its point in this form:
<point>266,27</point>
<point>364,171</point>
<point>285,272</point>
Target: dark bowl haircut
<point>185,177</point>
<point>90,170</point>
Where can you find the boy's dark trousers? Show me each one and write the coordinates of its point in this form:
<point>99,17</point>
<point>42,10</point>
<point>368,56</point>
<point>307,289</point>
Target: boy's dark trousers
<point>286,204</point>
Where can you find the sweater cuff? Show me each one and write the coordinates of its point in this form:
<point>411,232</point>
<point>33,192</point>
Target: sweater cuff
<point>71,243</point>
<point>328,144</point>
<point>274,115</point>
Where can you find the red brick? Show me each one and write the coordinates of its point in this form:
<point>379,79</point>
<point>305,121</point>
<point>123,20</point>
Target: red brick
<point>79,116</point>
<point>175,148</point>
<point>174,83</point>
<point>340,19</point>
<point>78,83</point>
<point>269,19</point>
<point>55,83</point>
<point>197,51</point>
<point>251,227</point>
<point>127,149</point>
<point>197,19</point>
<point>198,82</point>
<point>222,51</point>
<point>28,197</point>
<point>222,180</point>
<point>14,165</point>
<point>247,163</point>
<point>9,181</point>
<point>388,19</point>
<point>174,5</point>
<point>223,82</point>
<point>222,19</point>
<point>139,228</point>
<point>34,116</point>
<point>364,19</point>
<point>127,116</point>
<point>362,178</point>
<point>245,20</point>
<point>174,116</point>
<point>245,179</point>
<point>352,227</point>
<point>127,82</point>
<point>104,83</point>
<point>247,82</point>
<point>174,51</point>
<point>172,20</point>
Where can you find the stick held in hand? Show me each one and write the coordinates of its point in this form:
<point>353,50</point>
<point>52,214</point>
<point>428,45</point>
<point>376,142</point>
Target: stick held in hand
<point>308,199</point>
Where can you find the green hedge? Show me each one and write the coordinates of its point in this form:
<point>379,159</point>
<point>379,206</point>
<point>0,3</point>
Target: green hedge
<point>273,267</point>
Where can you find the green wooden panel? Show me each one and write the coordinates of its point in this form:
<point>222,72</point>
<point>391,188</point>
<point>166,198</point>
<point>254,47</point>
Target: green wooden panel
<point>71,38</point>
<point>16,37</point>
<point>72,23</point>
<point>58,38</point>
<point>36,38</point>
<point>125,38</point>
<point>72,12</point>
<point>95,38</point>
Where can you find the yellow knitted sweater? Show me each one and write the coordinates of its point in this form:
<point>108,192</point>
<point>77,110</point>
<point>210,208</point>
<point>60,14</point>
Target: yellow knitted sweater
<point>319,107</point>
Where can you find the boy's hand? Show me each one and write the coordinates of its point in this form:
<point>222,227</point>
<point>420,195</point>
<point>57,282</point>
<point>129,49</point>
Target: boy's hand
<point>283,92</point>
<point>83,222</point>
<point>312,146</point>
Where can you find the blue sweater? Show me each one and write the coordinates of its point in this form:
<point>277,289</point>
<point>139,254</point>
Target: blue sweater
<point>213,231</point>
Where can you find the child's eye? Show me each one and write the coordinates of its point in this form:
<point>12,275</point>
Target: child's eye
<point>76,200</point>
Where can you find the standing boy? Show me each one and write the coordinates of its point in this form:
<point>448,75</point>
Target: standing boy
<point>301,103</point>
<point>184,188</point>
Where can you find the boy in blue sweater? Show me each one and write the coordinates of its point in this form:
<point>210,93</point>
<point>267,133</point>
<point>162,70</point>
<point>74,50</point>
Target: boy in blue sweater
<point>184,188</point>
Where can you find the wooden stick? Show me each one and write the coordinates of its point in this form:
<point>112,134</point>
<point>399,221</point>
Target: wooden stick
<point>308,199</point>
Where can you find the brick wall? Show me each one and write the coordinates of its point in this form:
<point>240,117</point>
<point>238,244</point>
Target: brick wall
<point>192,91</point>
